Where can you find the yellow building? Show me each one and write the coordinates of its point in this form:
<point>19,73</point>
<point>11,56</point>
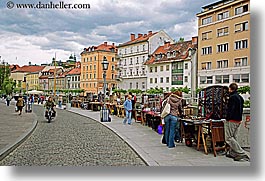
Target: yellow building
<point>224,43</point>
<point>91,68</point>
<point>27,75</point>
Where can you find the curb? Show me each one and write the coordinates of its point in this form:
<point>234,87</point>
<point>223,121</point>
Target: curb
<point>130,145</point>
<point>11,147</point>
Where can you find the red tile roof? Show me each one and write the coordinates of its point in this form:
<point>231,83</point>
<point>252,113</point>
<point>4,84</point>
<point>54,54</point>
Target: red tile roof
<point>140,38</point>
<point>101,47</point>
<point>181,50</point>
<point>75,71</point>
<point>29,69</point>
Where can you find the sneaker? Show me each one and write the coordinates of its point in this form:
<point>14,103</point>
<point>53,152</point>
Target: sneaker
<point>241,158</point>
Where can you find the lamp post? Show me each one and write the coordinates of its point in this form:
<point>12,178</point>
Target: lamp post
<point>68,80</point>
<point>105,113</point>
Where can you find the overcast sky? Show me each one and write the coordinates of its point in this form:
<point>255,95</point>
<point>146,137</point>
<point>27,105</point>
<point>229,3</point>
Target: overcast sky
<point>34,35</point>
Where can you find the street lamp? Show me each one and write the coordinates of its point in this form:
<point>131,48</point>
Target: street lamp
<point>104,112</point>
<point>68,80</point>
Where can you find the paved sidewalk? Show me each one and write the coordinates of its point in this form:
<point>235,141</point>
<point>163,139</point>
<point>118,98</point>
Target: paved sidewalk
<point>147,143</point>
<point>14,129</point>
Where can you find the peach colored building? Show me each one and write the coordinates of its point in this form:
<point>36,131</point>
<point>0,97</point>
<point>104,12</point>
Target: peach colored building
<point>224,43</point>
<point>91,79</point>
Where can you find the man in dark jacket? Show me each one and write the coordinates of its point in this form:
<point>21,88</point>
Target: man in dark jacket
<point>233,121</point>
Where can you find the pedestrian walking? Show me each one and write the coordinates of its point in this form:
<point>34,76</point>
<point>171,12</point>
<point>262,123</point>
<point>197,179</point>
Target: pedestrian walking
<point>20,104</point>
<point>128,110</point>
<point>171,119</point>
<point>8,99</point>
<point>60,101</point>
<point>233,121</point>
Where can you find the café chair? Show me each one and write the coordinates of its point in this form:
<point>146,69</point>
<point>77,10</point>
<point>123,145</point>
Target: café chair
<point>218,136</point>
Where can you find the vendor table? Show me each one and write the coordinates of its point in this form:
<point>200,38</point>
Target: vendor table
<point>96,106</point>
<point>200,124</point>
<point>152,119</point>
<point>120,111</point>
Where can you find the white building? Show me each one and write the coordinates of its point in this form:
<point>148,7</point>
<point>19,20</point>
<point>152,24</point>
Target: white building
<point>133,54</point>
<point>173,65</point>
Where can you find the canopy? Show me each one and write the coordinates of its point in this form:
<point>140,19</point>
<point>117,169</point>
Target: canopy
<point>35,92</point>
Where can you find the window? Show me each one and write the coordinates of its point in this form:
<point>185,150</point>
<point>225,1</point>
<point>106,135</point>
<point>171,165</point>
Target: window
<point>155,69</point>
<point>222,31</point>
<point>95,67</point>
<point>112,67</point>
<point>241,62</point>
<point>124,72</point>
<point>112,59</point>
<point>155,80</point>
<point>137,60</point>
<point>90,67</point>
<point>95,76</point>
<point>167,67</point>
<point>131,61</point>
<point>137,71</point>
<point>151,80</point>
<point>137,86</point>
<point>130,85</point>
<point>143,71</point>
<point>244,77</point>
<point>186,78</point>
<point>124,62</point>
<point>223,15</point>
<point>131,71</point>
<point>90,59</point>
<point>186,66</point>
<point>137,48</point>
<point>221,79</point>
<point>90,76</point>
<point>222,64</point>
<point>131,49</point>
<point>143,59</point>
<point>151,69</point>
<point>167,79</point>
<point>95,58</point>
<point>206,65</point>
<point>206,50</point>
<point>207,35</point>
<point>241,44</point>
<point>236,78</point>
<point>241,9</point>
<point>86,68</point>
<point>112,76</point>
<point>161,68</point>
<point>143,85</point>
<point>241,27</point>
<point>222,48</point>
<point>206,20</point>
<point>161,79</point>
<point>209,79</point>
<point>143,47</point>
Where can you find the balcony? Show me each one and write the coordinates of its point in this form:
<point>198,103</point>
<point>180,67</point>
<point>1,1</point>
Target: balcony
<point>177,71</point>
<point>178,82</point>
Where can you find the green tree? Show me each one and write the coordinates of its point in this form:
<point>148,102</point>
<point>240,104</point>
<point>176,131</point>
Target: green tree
<point>135,91</point>
<point>8,86</point>
<point>243,90</point>
<point>181,39</point>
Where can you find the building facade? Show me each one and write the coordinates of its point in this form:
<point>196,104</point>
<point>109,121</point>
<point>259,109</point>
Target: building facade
<point>133,54</point>
<point>170,66</point>
<point>73,80</point>
<point>224,43</point>
<point>92,71</point>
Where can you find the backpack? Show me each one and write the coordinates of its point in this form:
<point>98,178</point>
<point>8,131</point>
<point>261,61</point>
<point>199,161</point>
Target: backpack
<point>20,102</point>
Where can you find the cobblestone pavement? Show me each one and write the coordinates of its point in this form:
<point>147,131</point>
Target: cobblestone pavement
<point>72,140</point>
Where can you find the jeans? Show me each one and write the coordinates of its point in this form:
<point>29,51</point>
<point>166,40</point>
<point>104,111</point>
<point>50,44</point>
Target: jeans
<point>170,129</point>
<point>177,136</point>
<point>128,117</point>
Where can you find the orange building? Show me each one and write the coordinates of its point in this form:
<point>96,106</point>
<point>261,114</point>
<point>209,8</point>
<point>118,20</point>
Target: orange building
<point>92,71</point>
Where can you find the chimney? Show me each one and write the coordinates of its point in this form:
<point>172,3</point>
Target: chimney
<point>29,63</point>
<point>132,36</point>
<point>167,44</point>
<point>195,40</point>
<point>140,35</point>
<point>150,32</point>
<point>105,43</point>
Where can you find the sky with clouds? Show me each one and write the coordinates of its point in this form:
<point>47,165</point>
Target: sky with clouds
<point>35,35</point>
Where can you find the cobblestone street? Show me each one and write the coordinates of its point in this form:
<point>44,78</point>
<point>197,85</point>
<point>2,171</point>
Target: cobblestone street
<point>72,140</point>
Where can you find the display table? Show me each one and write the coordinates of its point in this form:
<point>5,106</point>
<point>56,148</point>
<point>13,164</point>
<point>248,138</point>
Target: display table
<point>151,119</point>
<point>120,111</point>
<point>96,106</point>
<point>202,126</point>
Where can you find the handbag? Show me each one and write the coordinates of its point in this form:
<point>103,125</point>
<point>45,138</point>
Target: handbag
<point>166,109</point>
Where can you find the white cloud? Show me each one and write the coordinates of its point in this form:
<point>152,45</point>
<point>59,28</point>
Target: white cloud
<point>35,35</point>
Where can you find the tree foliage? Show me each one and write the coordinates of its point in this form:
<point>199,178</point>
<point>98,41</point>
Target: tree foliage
<point>155,91</point>
<point>243,90</point>
<point>181,89</point>
<point>135,91</point>
<point>119,91</point>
